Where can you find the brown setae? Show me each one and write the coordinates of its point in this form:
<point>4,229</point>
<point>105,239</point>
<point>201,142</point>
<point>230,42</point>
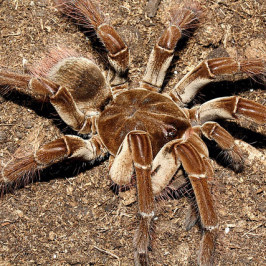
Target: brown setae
<point>148,135</point>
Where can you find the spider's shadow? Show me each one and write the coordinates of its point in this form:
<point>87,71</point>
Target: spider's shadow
<point>223,89</point>
<point>63,170</point>
<point>67,169</point>
<point>41,108</point>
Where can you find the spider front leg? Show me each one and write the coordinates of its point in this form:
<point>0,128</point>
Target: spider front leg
<point>192,153</point>
<point>136,153</point>
<point>198,173</point>
<point>212,70</point>
<point>55,151</point>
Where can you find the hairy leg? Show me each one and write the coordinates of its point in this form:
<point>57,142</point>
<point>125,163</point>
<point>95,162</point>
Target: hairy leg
<point>228,108</point>
<point>192,153</point>
<point>213,131</point>
<point>182,18</point>
<point>75,86</point>
<point>213,70</point>
<point>87,14</point>
<point>198,171</point>
<point>136,153</point>
<point>55,151</point>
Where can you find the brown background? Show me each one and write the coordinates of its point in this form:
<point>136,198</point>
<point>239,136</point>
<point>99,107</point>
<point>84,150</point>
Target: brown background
<point>67,220</point>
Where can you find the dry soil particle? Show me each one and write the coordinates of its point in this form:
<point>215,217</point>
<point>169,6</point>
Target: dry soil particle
<point>73,218</point>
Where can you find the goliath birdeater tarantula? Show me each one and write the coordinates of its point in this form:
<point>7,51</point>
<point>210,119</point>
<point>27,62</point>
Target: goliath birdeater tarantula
<point>148,135</point>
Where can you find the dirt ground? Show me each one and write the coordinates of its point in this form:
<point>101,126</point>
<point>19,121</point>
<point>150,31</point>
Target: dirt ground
<point>71,216</point>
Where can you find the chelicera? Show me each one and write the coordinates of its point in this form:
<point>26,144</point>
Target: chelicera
<point>148,135</point>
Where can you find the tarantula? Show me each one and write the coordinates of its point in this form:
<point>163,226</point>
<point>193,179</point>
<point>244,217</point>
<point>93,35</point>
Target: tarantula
<point>148,135</point>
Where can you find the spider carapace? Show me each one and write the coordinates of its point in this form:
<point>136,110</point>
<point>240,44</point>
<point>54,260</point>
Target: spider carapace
<point>143,110</point>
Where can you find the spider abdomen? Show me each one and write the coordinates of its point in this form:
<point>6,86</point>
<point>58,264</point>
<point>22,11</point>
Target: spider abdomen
<point>144,110</point>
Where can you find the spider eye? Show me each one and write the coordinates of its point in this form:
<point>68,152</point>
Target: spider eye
<point>171,132</point>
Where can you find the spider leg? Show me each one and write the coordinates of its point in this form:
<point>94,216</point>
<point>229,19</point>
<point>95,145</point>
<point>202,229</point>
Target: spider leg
<point>75,87</point>
<point>213,70</point>
<point>163,52</point>
<point>213,131</point>
<point>122,168</point>
<point>142,157</point>
<point>55,151</point>
<point>197,170</point>
<point>23,83</point>
<point>85,13</point>
<point>136,151</point>
<point>192,153</point>
<point>229,108</point>
<point>162,172</point>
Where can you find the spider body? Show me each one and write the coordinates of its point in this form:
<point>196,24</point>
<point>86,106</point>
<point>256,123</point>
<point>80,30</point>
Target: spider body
<point>143,110</point>
<point>74,72</point>
<point>147,134</point>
